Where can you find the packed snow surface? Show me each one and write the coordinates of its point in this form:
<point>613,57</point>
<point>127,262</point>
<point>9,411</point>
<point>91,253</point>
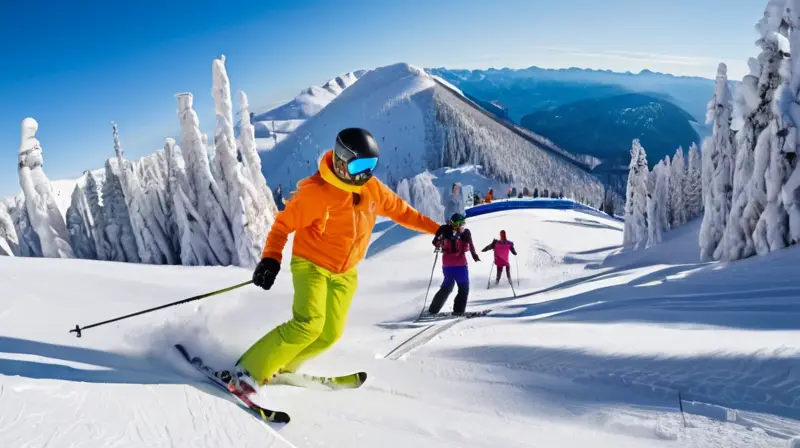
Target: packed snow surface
<point>593,350</point>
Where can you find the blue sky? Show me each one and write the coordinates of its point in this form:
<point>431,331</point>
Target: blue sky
<point>78,69</point>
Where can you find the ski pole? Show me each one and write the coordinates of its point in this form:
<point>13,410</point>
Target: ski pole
<point>425,302</point>
<point>489,280</point>
<point>516,260</point>
<point>77,330</point>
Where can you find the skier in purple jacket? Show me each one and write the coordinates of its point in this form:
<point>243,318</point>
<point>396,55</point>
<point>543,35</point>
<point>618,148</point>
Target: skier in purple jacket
<point>454,241</point>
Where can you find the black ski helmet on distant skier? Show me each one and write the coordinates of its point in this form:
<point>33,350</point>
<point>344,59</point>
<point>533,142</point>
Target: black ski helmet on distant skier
<point>355,156</point>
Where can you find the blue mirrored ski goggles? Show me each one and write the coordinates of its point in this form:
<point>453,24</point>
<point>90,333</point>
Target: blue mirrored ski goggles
<point>358,166</point>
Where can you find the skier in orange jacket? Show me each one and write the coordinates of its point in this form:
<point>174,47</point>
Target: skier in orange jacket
<point>332,214</point>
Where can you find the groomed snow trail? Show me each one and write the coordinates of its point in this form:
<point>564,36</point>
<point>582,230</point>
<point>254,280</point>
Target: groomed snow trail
<point>592,352</point>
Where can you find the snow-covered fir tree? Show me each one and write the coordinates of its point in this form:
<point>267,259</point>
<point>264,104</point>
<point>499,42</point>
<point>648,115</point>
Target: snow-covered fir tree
<point>790,120</point>
<point>404,191</point>
<point>657,204</point>
<point>635,227</point>
<point>195,249</point>
<point>227,174</point>
<point>737,239</point>
<point>45,217</point>
<point>93,192</point>
<point>693,184</point>
<point>767,143</point>
<point>717,159</point>
<point>116,217</point>
<point>80,223</point>
<point>249,151</point>
<point>425,197</point>
<point>677,188</point>
<point>153,245</point>
<point>207,197</point>
<point>153,174</point>
<point>9,243</point>
<point>29,245</point>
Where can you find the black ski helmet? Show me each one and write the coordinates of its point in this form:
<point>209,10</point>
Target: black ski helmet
<point>355,156</point>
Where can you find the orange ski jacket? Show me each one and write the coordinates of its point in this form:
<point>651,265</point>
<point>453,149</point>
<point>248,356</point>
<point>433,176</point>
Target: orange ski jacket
<point>333,221</point>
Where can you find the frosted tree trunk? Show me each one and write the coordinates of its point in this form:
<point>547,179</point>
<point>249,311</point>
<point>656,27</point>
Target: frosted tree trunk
<point>9,242</point>
<point>80,223</point>
<point>45,217</point>
<point>207,199</point>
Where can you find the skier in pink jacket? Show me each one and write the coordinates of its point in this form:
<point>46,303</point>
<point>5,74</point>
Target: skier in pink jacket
<point>501,249</point>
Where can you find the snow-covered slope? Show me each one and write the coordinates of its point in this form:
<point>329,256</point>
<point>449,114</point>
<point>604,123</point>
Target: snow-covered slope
<point>592,352</point>
<point>421,125</point>
<point>276,124</point>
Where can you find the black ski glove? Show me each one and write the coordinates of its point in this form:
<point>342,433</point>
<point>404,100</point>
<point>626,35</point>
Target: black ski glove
<point>265,273</point>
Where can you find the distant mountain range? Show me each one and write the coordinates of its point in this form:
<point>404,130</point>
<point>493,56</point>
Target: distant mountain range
<point>605,127</point>
<point>593,112</point>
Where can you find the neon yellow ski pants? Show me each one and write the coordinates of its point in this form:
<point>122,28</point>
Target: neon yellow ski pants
<point>321,301</point>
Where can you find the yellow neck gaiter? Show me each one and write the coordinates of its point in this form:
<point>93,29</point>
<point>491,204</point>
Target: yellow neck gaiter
<point>326,171</point>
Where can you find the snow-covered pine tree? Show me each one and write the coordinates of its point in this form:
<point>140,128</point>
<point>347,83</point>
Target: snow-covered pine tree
<point>29,245</point>
<point>791,190</point>
<point>717,169</point>
<point>425,197</point>
<point>195,249</point>
<point>80,224</point>
<point>657,203</point>
<point>206,195</point>
<point>404,191</point>
<point>9,243</point>
<point>737,239</point>
<point>677,187</point>
<point>767,143</point>
<point>635,228</point>
<point>152,244</point>
<point>116,217</point>
<point>45,217</point>
<point>258,203</point>
<point>693,184</point>
<point>101,242</point>
<point>153,174</point>
<point>235,201</point>
<point>249,151</point>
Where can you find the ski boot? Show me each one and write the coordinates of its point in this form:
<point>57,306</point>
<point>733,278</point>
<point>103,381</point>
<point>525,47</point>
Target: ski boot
<point>239,382</point>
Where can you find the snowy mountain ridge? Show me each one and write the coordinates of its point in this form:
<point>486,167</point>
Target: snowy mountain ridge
<point>421,125</point>
<point>276,124</point>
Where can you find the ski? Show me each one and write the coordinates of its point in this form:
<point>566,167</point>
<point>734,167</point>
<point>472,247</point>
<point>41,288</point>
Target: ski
<point>244,402</point>
<point>442,316</point>
<point>330,383</point>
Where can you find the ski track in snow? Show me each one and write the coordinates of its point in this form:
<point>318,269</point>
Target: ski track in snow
<point>592,352</point>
